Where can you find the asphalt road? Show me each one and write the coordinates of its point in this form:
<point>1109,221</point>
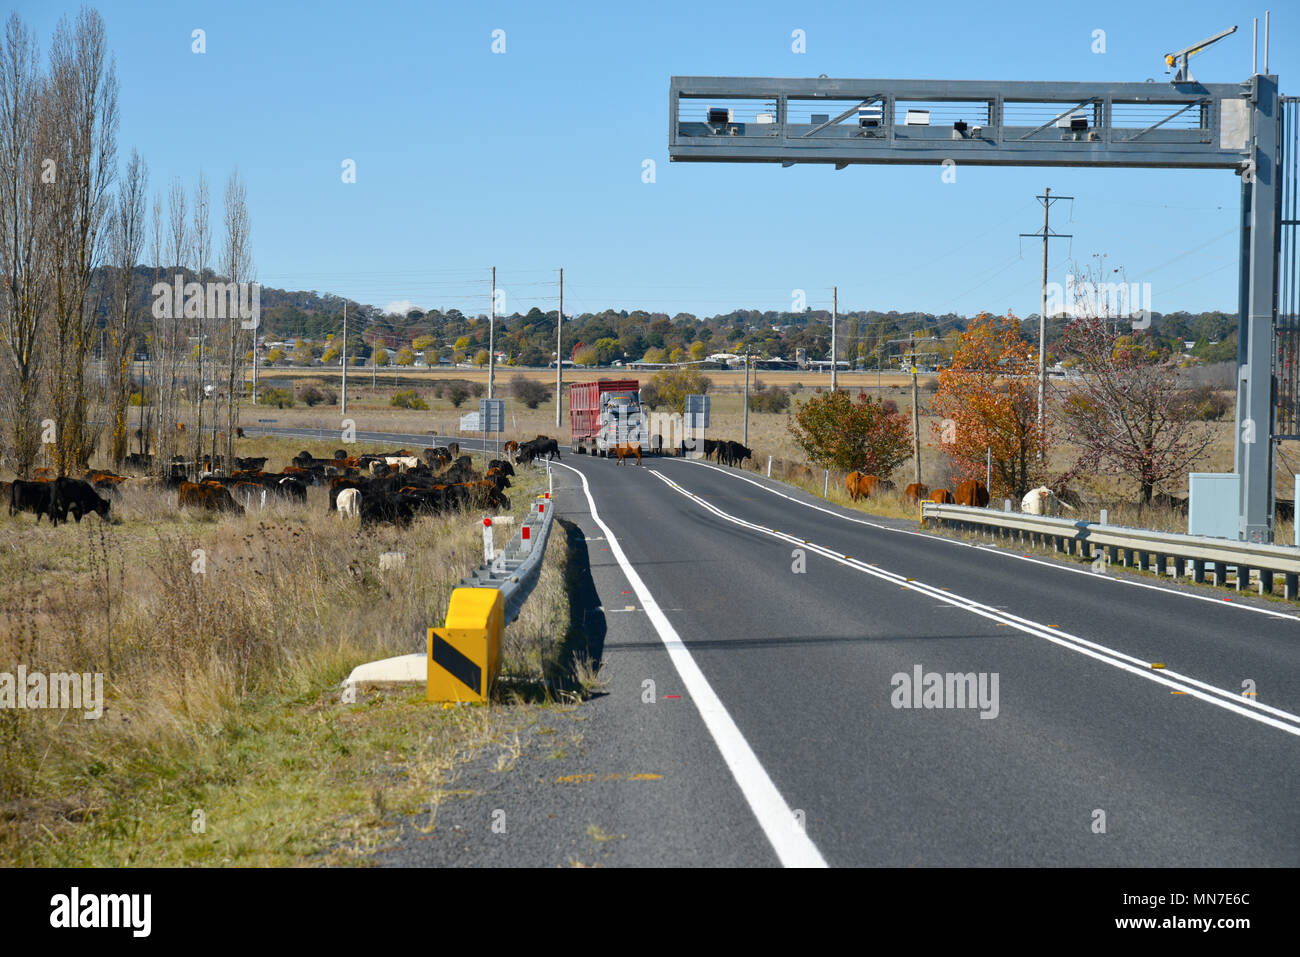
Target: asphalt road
<point>780,634</point>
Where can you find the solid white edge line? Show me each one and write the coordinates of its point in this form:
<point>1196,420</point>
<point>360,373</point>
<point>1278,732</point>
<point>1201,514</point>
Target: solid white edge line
<point>791,843</point>
<point>1220,602</point>
<point>1190,686</point>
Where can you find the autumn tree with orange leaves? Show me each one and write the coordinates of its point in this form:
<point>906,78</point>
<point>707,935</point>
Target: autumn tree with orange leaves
<point>988,399</point>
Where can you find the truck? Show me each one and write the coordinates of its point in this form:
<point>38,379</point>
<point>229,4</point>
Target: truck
<point>606,413</point>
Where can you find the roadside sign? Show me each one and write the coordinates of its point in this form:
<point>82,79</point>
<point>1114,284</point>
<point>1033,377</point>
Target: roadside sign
<point>696,415</point>
<point>492,415</point>
<point>267,421</point>
<point>469,422</point>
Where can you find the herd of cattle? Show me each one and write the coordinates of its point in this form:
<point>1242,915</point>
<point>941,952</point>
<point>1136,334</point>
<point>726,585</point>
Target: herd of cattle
<point>378,488</point>
<point>972,493</point>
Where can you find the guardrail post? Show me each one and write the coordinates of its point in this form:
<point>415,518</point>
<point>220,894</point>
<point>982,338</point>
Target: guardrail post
<point>1291,584</point>
<point>1220,573</point>
<point>1198,571</point>
<point>1128,557</point>
<point>1112,555</point>
<point>1180,567</point>
<point>1242,578</point>
<point>1265,582</point>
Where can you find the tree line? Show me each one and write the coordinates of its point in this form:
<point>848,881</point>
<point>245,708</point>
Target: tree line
<point>73,232</point>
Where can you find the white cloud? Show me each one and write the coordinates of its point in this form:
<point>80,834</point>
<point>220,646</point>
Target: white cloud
<point>401,307</point>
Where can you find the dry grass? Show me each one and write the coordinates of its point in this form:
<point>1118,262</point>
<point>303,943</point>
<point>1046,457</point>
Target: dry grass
<point>223,641</point>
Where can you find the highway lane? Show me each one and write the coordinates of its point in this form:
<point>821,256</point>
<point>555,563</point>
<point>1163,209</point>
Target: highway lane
<point>805,663</point>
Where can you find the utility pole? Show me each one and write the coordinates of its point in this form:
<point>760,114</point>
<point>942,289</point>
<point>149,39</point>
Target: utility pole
<point>746,442</point>
<point>345,357</point>
<point>374,347</point>
<point>1046,199</point>
<point>916,409</point>
<point>559,362</point>
<point>492,316</point>
<point>835,309</point>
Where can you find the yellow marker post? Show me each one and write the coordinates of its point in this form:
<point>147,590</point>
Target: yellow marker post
<point>465,654</point>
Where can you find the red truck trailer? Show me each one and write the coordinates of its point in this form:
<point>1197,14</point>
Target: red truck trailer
<point>606,413</point>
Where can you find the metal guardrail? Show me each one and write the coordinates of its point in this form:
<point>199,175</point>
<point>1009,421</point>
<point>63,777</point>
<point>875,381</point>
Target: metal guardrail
<point>1190,556</point>
<point>517,567</point>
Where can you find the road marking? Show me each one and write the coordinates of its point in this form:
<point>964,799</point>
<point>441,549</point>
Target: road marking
<point>792,845</point>
<point>1000,551</point>
<point>1228,700</point>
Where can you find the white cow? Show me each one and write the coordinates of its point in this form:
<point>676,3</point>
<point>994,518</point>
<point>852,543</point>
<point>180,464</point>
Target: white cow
<point>1042,501</point>
<point>349,503</point>
<point>403,463</point>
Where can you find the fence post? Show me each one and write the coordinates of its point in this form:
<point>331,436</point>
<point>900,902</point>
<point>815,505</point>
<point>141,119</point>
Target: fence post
<point>826,484</point>
<point>769,466</point>
<point>489,552</point>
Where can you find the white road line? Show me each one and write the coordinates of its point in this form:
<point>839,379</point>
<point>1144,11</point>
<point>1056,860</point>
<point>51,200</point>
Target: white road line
<point>1230,701</point>
<point>1008,554</point>
<point>778,822</point>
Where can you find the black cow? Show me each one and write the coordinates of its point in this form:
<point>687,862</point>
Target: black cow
<point>733,453</point>
<point>75,496</point>
<point>505,467</point>
<point>35,497</point>
<point>291,489</point>
<point>537,448</point>
<point>379,508</point>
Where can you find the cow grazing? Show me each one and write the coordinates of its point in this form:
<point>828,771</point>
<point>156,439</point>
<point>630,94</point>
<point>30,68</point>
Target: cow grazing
<point>505,467</point>
<point>1042,501</point>
<point>349,503</point>
<point>512,450</point>
<point>402,463</point>
<point>36,497</point>
<point>916,491</point>
<point>972,492</point>
<point>626,451</point>
<point>209,497</point>
<point>733,453</point>
<point>538,447</point>
<point>75,496</point>
<point>387,510</point>
<point>250,464</point>
<point>942,496</point>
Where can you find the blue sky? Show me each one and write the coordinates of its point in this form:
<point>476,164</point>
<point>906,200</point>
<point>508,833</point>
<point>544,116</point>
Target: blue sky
<point>531,160</point>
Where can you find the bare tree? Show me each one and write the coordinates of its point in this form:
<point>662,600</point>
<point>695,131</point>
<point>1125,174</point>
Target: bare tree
<point>1127,411</point>
<point>145,426</point>
<point>126,240</point>
<point>24,255</point>
<point>171,340</point>
<point>201,240</point>
<point>237,264</point>
<point>83,104</point>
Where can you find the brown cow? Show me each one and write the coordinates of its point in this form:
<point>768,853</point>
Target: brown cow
<point>916,491</point>
<point>972,492</point>
<point>942,496</point>
<point>865,486</point>
<point>210,497</point>
<point>627,451</point>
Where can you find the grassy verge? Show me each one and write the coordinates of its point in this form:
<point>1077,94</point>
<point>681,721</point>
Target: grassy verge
<point>224,740</point>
